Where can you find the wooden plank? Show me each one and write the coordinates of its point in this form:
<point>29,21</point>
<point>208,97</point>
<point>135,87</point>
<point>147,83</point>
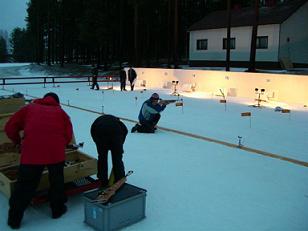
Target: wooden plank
<point>9,159</point>
<point>246,114</point>
<point>6,185</point>
<point>3,119</point>
<point>11,104</point>
<point>285,111</point>
<point>82,166</point>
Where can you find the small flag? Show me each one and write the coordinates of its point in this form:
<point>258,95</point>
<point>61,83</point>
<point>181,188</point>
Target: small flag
<point>246,114</point>
<point>179,104</point>
<point>285,111</point>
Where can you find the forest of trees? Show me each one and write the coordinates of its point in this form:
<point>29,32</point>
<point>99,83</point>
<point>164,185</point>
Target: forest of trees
<point>3,50</point>
<point>106,32</point>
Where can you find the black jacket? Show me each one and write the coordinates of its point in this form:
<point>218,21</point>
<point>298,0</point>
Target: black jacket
<point>122,76</point>
<point>132,75</point>
<point>108,127</point>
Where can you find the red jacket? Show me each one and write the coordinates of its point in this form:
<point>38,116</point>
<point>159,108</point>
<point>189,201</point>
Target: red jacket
<point>47,131</point>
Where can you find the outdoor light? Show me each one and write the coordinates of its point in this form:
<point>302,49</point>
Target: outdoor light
<point>175,83</point>
<point>259,92</point>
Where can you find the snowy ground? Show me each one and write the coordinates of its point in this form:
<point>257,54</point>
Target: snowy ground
<point>192,184</point>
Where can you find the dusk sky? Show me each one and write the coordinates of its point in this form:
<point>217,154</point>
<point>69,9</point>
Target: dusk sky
<point>12,14</point>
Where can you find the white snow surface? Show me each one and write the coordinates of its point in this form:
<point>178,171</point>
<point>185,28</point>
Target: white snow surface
<point>192,184</point>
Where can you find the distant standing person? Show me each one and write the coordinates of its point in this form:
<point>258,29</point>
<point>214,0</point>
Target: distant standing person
<point>94,78</point>
<point>132,75</point>
<point>47,130</point>
<point>109,133</point>
<point>123,79</point>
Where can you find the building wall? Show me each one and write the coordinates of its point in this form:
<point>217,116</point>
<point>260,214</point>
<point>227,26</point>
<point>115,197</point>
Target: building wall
<point>294,37</point>
<point>241,52</point>
<point>279,87</point>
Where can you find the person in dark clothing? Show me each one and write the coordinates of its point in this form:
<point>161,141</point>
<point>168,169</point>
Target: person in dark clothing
<point>47,130</point>
<point>109,133</point>
<point>94,79</point>
<point>123,79</point>
<point>149,114</point>
<point>132,75</point>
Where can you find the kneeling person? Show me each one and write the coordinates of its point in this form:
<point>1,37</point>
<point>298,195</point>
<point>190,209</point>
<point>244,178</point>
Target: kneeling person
<point>149,115</point>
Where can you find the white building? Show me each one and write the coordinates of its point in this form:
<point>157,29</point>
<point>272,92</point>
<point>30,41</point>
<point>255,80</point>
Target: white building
<point>282,36</point>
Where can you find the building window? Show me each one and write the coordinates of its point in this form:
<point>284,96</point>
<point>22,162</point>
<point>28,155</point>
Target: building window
<point>232,43</point>
<point>202,44</point>
<point>262,42</point>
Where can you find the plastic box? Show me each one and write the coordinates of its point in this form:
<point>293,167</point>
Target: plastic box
<point>126,207</point>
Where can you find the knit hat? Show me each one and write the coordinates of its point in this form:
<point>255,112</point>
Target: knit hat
<point>154,96</point>
<point>53,95</point>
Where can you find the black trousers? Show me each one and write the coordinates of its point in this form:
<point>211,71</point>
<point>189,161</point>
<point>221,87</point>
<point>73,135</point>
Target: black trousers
<point>132,85</point>
<point>149,125</point>
<point>27,182</point>
<point>115,146</point>
<point>95,84</point>
<point>123,84</point>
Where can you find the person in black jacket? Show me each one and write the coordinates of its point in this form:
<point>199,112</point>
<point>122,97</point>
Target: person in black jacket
<point>109,133</point>
<point>132,75</point>
<point>94,79</point>
<point>123,79</point>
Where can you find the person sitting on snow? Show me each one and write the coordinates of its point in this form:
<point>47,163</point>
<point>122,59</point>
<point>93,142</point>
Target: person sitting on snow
<point>149,114</point>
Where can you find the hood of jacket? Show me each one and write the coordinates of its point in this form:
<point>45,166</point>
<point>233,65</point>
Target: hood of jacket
<point>47,101</point>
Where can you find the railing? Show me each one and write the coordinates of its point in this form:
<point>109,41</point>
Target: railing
<point>54,80</point>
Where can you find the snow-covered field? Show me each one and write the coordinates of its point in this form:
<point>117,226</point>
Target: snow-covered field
<point>192,184</point>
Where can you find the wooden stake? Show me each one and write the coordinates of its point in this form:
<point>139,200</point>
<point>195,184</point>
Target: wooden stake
<point>286,111</point>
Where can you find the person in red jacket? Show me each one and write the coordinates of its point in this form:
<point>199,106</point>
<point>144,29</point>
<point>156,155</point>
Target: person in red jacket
<point>47,130</point>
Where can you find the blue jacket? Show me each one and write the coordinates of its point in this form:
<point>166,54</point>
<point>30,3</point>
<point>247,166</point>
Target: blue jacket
<point>148,110</point>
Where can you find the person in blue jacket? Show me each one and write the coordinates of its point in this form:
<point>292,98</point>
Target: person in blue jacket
<point>149,114</point>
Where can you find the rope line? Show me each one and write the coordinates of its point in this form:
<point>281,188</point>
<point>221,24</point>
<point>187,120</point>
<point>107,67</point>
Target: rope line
<point>204,138</point>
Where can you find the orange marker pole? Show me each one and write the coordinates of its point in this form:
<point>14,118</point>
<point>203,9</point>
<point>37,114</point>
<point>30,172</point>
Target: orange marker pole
<point>286,111</point>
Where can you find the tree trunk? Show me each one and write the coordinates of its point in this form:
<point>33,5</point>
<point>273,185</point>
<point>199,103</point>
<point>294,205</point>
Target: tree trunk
<point>121,17</point>
<point>253,46</point>
<point>175,47</point>
<point>228,35</point>
<point>62,35</point>
<point>136,55</point>
<point>169,31</point>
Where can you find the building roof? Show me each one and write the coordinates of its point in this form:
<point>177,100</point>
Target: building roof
<point>245,16</point>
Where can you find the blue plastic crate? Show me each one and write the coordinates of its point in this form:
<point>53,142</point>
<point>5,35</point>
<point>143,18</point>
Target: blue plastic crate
<point>126,207</point>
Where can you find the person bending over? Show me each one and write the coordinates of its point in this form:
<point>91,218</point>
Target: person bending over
<point>109,134</point>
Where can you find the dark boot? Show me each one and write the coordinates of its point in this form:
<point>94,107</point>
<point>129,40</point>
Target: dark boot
<point>58,212</point>
<point>135,128</point>
<point>14,219</point>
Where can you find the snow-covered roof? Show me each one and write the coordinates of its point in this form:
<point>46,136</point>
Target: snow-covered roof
<point>245,16</point>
